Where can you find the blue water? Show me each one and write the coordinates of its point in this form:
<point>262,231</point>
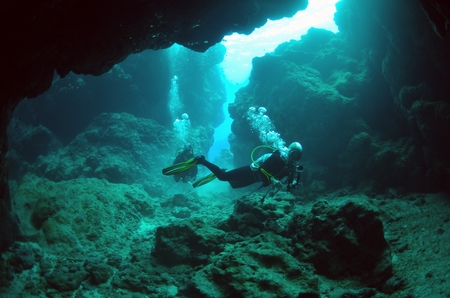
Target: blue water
<point>222,132</point>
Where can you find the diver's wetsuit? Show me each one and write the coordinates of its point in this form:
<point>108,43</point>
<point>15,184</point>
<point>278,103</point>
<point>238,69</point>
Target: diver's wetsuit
<point>240,177</point>
<point>185,176</point>
<point>275,165</point>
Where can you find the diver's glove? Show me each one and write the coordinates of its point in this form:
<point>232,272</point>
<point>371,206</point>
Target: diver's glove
<point>294,184</point>
<point>276,183</point>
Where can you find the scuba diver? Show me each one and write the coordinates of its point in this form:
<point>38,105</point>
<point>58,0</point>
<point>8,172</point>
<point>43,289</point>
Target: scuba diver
<point>184,155</point>
<point>268,169</point>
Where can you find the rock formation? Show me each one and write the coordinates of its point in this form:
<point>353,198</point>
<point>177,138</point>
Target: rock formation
<point>90,38</point>
<point>370,104</point>
<point>381,84</point>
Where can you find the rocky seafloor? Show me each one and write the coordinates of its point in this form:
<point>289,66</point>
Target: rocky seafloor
<point>86,231</point>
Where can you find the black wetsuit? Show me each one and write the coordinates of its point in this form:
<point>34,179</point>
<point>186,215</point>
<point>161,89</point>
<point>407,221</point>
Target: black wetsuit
<point>244,176</point>
<point>191,173</point>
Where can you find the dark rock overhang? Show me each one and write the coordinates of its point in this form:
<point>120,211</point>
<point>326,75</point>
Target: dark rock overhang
<point>89,37</point>
<point>438,13</point>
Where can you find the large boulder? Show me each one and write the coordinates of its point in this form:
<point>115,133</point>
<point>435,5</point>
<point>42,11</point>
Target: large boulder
<point>189,242</point>
<point>120,148</point>
<point>255,214</point>
<point>343,239</point>
<point>261,266</point>
<point>64,216</point>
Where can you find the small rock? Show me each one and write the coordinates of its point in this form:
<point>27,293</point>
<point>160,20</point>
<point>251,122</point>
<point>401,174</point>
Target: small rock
<point>360,293</point>
<point>100,273</point>
<point>180,200</point>
<point>402,247</point>
<point>420,202</point>
<point>46,264</point>
<point>23,257</point>
<point>308,295</point>
<point>114,260</point>
<point>447,218</point>
<point>181,212</point>
<point>62,281</point>
<point>394,284</point>
<point>165,203</point>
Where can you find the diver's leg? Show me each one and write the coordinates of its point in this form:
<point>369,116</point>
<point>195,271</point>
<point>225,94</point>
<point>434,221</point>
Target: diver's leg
<point>223,175</point>
<point>242,182</point>
<point>220,174</point>
<point>244,176</point>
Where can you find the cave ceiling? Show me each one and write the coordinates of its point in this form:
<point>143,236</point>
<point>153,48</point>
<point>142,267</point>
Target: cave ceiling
<point>89,37</point>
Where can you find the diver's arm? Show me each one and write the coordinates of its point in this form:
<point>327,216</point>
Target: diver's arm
<point>275,182</point>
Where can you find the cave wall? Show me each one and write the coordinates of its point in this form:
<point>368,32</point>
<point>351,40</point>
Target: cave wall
<point>320,91</point>
<point>141,85</point>
<point>369,104</point>
<point>71,104</point>
<point>416,68</point>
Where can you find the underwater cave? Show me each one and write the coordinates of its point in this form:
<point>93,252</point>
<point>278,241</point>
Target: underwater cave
<point>99,97</point>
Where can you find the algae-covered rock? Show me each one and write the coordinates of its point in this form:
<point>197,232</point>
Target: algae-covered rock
<point>26,144</point>
<point>119,148</point>
<point>318,88</point>
<point>23,256</point>
<point>181,212</point>
<point>189,242</point>
<point>99,273</point>
<point>343,239</point>
<point>81,214</point>
<point>261,267</point>
<point>253,215</point>
<point>180,200</point>
<point>67,275</point>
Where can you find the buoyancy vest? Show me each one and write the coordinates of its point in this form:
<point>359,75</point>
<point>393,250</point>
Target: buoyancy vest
<point>275,165</point>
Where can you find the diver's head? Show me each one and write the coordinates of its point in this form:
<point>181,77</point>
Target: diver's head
<point>295,151</point>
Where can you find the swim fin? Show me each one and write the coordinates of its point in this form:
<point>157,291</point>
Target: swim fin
<point>204,180</point>
<point>180,167</point>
